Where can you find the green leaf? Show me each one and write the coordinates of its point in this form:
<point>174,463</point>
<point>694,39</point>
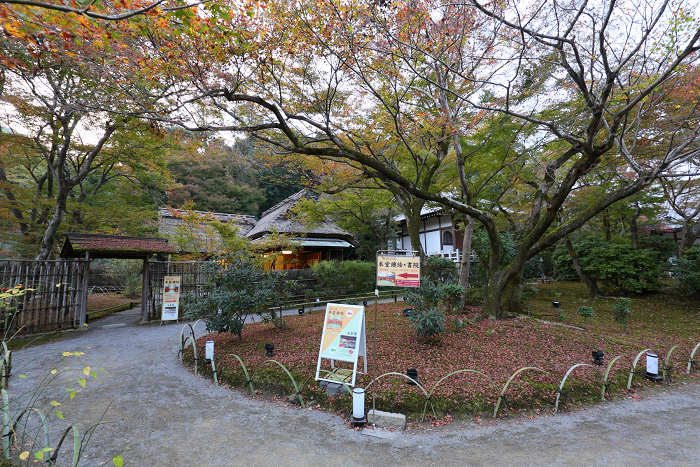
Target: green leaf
<point>59,414</point>
<point>118,461</point>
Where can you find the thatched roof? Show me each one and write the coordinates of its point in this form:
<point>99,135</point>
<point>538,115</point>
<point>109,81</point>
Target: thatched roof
<point>207,240</point>
<point>170,219</point>
<point>280,218</point>
<point>113,246</point>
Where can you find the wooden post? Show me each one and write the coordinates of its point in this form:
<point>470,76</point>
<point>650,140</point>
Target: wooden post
<point>145,290</point>
<point>82,313</point>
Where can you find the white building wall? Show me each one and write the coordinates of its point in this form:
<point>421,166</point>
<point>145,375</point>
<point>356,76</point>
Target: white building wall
<point>432,241</point>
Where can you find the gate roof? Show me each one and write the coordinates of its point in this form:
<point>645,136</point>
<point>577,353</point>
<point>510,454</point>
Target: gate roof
<point>113,246</point>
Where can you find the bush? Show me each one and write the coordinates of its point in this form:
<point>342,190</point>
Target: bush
<point>564,265</point>
<point>344,277</point>
<point>622,269</point>
<point>686,271</point>
<point>424,297</point>
<point>622,310</point>
<point>238,288</point>
<point>451,296</point>
<point>586,311</point>
<point>427,323</point>
<point>440,270</point>
<point>617,268</point>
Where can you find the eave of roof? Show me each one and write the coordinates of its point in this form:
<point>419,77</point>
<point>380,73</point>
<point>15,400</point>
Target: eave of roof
<point>113,246</point>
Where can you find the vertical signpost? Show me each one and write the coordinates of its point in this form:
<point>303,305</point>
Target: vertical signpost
<point>395,268</point>
<point>171,298</point>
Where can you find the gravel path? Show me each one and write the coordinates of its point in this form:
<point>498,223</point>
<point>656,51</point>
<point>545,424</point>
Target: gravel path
<point>160,414</point>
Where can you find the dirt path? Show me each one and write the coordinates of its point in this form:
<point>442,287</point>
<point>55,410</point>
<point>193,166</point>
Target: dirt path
<point>160,414</point>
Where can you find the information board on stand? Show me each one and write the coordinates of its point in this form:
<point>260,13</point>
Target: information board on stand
<point>343,338</point>
<point>171,298</point>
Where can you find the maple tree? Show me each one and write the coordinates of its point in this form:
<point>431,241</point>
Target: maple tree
<point>404,93</point>
<point>307,90</point>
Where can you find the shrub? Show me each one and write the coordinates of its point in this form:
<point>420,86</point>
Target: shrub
<point>424,297</point>
<point>238,288</point>
<point>617,268</point>
<point>344,277</point>
<point>440,270</point>
<point>451,296</point>
<point>686,271</point>
<point>427,323</point>
<point>622,269</point>
<point>564,265</point>
<point>586,311</point>
<point>622,310</point>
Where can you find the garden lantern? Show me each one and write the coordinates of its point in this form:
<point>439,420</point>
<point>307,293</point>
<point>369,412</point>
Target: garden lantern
<point>209,351</point>
<point>269,350</point>
<point>358,407</point>
<point>653,367</point>
<point>598,357</point>
<point>301,312</point>
<point>413,374</point>
<point>555,304</point>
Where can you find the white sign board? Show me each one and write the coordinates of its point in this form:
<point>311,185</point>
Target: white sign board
<point>398,270</point>
<point>343,338</point>
<point>171,298</point>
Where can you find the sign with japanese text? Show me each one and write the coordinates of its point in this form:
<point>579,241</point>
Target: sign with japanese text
<point>171,298</point>
<point>398,270</point>
<point>343,336</point>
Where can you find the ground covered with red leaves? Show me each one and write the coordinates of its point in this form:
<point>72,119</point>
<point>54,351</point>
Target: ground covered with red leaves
<point>546,339</point>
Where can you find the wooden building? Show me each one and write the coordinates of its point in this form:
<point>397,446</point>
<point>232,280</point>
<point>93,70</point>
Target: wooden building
<point>305,243</point>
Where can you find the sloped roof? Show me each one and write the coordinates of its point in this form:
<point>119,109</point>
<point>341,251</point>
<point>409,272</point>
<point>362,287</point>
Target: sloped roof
<point>279,218</point>
<point>206,239</point>
<point>169,219</point>
<point>113,246</point>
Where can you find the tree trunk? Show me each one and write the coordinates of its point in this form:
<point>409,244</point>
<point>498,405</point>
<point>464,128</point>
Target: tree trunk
<point>504,296</point>
<point>513,300</point>
<point>634,229</point>
<point>606,226</point>
<point>691,232</point>
<point>589,281</point>
<point>465,265</point>
<point>47,241</point>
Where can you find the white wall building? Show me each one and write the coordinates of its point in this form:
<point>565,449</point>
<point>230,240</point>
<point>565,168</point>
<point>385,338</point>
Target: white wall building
<point>438,235</point>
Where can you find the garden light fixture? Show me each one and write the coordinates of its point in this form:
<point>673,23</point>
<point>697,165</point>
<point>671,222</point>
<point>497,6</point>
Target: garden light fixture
<point>209,351</point>
<point>555,304</point>
<point>598,357</point>
<point>653,367</point>
<point>269,350</point>
<point>286,252</point>
<point>413,374</point>
<point>301,311</point>
<point>358,407</point>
